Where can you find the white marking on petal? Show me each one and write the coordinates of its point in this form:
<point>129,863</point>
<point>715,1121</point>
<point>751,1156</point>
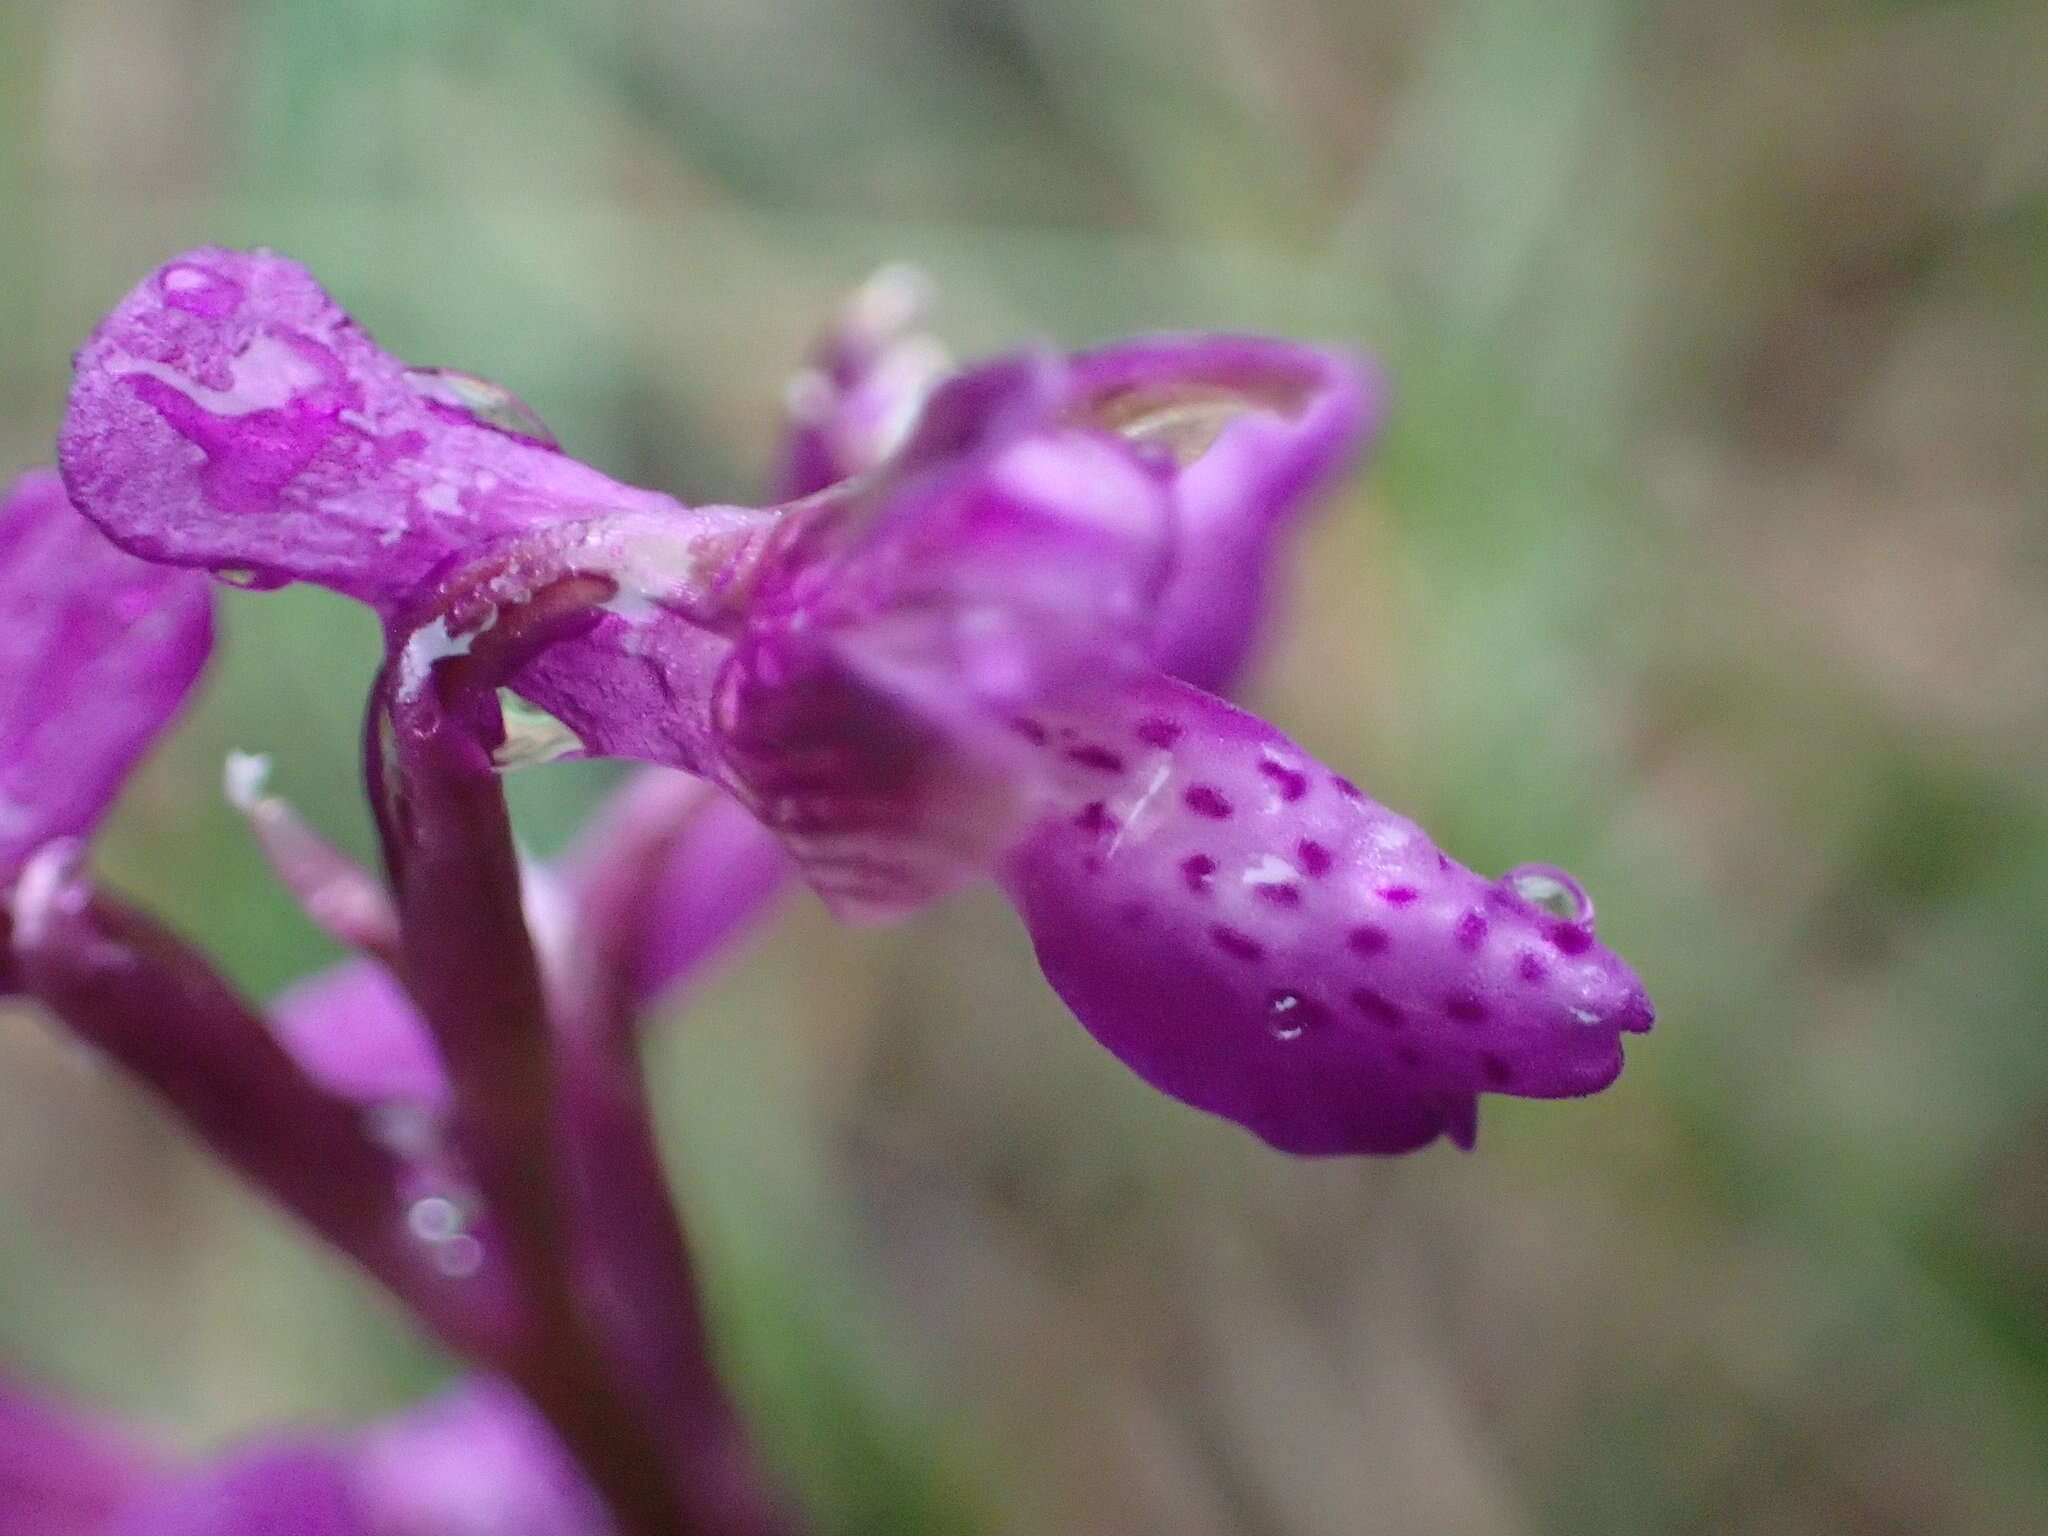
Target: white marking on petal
<point>266,375</point>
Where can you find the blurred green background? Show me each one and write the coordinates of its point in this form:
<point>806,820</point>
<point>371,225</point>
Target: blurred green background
<point>1705,556</point>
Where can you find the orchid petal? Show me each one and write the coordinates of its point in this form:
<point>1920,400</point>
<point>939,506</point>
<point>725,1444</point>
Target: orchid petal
<point>99,652</point>
<point>852,405</point>
<point>1254,427</point>
<point>60,1474</point>
<point>478,1459</point>
<point>303,1488</point>
<point>1252,935</point>
<point>229,414</point>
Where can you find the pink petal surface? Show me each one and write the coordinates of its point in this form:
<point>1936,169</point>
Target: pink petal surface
<point>1251,934</point>
<point>60,1473</point>
<point>229,414</point>
<point>1255,427</point>
<point>98,653</point>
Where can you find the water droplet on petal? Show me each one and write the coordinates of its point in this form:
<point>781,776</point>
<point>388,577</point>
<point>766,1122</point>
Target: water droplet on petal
<point>532,735</point>
<point>248,579</point>
<point>1552,890</point>
<point>1289,1015</point>
<point>491,404</point>
<point>434,1219</point>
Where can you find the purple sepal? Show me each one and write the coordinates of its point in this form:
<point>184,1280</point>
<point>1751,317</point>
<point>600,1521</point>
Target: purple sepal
<point>1252,935</point>
<point>61,1474</point>
<point>301,1488</point>
<point>477,1461</point>
<point>1253,427</point>
<point>98,652</point>
<point>688,868</point>
<point>229,414</point>
<point>334,890</point>
<point>868,377</point>
<point>353,1029</point>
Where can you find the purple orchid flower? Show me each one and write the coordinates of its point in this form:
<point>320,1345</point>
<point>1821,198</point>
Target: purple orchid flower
<point>475,1462</point>
<point>959,660</point>
<point>972,641</point>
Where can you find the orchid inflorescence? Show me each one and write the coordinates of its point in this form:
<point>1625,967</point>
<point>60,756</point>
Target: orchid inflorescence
<point>981,634</point>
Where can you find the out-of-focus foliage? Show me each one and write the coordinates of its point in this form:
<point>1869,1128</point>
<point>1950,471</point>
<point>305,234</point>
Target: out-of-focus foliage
<point>1706,557</point>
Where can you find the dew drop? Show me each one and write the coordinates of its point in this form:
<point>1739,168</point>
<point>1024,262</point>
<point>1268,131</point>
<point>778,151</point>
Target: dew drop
<point>247,579</point>
<point>1290,1015</point>
<point>1551,890</point>
<point>491,404</point>
<point>434,1219</point>
<point>532,735</point>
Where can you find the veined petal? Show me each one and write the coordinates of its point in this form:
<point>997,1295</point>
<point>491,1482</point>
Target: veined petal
<point>1254,427</point>
<point>228,414</point>
<point>1252,935</point>
<point>98,653</point>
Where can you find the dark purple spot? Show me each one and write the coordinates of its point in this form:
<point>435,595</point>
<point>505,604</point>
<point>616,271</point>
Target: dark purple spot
<point>1155,732</point>
<point>1376,1008</point>
<point>1496,1071</point>
<point>1571,939</point>
<point>1505,900</point>
<point>1291,783</point>
<point>1530,967</point>
<point>1465,1007</point>
<point>1290,1014</point>
<point>1347,789</point>
<point>1443,862</point>
<point>1469,931</point>
<point>1204,801</point>
<point>1240,946</point>
<point>1368,939</point>
<point>1408,1056</point>
<point>1196,869</point>
<point>1099,758</point>
<point>1029,729</point>
<point>1315,858</point>
<point>1095,817</point>
<point>1398,895</point>
<point>1280,895</point>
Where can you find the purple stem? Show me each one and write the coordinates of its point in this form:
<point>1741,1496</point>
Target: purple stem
<point>637,1255</point>
<point>470,966</point>
<point>540,1135</point>
<point>130,988</point>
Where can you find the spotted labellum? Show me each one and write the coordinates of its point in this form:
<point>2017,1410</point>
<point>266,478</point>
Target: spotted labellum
<point>984,633</point>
